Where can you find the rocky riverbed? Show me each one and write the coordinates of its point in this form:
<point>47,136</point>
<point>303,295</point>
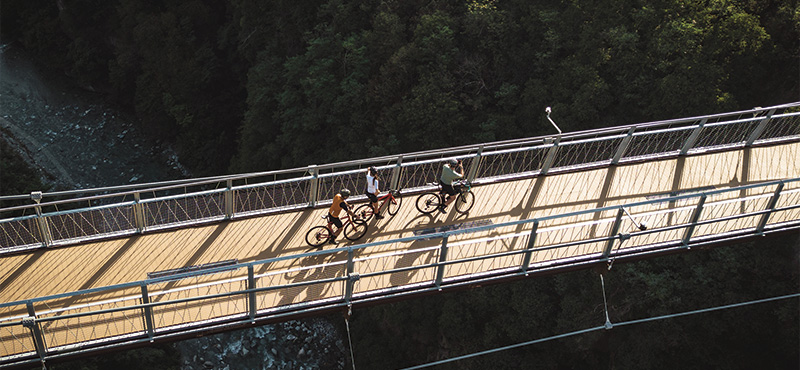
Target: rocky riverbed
<point>77,141</point>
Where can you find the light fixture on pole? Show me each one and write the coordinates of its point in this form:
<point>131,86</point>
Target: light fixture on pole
<point>641,225</point>
<point>623,237</point>
<point>548,110</point>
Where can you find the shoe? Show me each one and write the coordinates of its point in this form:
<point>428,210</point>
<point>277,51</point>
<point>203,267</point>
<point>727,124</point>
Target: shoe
<point>379,217</point>
<point>333,241</point>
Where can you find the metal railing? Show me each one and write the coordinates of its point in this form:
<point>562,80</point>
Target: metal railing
<point>126,210</point>
<point>45,327</point>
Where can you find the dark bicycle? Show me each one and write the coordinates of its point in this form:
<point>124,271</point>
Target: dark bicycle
<point>391,200</point>
<point>432,200</point>
<point>319,235</point>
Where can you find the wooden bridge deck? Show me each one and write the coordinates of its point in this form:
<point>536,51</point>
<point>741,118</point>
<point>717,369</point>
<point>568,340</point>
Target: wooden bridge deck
<point>104,263</point>
<point>109,262</point>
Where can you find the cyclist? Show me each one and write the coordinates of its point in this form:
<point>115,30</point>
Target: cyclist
<point>339,204</point>
<point>373,190</point>
<point>452,170</point>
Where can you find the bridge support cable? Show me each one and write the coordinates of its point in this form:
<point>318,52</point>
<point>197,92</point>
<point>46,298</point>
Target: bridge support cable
<point>597,328</point>
<point>608,324</point>
<point>349,339</point>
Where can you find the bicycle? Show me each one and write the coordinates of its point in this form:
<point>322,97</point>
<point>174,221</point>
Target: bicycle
<point>353,230</point>
<point>391,200</point>
<point>432,200</point>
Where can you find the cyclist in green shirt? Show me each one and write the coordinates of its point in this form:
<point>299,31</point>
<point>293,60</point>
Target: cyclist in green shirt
<point>451,171</point>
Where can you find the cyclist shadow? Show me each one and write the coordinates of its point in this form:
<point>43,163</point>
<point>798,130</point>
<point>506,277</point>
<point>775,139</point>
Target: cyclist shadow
<point>419,252</point>
<point>312,268</point>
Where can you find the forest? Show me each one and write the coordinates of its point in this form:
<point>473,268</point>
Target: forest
<point>246,85</point>
<point>251,85</point>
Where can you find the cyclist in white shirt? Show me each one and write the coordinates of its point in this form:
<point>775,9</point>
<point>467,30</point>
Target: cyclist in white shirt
<point>373,190</point>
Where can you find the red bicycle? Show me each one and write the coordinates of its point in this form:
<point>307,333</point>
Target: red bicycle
<point>353,230</point>
<point>391,200</point>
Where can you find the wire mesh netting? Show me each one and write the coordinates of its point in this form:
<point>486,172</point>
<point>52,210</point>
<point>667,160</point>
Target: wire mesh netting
<point>586,152</point>
<point>781,127</point>
<point>526,160</point>
<point>179,210</point>
<point>654,142</point>
<point>273,196</point>
<point>422,253</point>
<point>228,303</point>
<point>304,293</point>
<point>14,339</point>
<point>93,222</point>
<point>19,233</point>
<point>64,330</point>
<point>719,135</point>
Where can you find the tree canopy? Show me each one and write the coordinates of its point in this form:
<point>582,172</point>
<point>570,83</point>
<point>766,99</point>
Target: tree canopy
<point>250,85</point>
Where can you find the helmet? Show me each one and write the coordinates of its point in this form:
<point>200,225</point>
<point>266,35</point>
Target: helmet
<point>372,170</point>
<point>453,162</point>
<point>345,192</point>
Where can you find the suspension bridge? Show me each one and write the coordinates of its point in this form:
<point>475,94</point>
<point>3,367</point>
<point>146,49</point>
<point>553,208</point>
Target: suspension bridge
<point>91,270</point>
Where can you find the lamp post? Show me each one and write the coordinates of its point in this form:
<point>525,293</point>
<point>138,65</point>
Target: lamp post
<point>548,110</point>
<point>641,225</point>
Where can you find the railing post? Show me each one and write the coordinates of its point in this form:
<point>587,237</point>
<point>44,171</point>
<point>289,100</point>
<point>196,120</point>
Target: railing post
<point>526,260</point>
<point>229,206</point>
<point>770,207</point>
<point>251,297</point>
<point>614,231</point>
<point>689,143</point>
<point>442,259</point>
<point>476,162</point>
<point>762,125</point>
<point>693,223</point>
<point>551,156</point>
<point>36,332</point>
<point>44,228</point>
<point>312,197</point>
<point>396,174</point>
<point>623,146</point>
<point>352,277</point>
<point>147,312</point>
<point>138,212</point>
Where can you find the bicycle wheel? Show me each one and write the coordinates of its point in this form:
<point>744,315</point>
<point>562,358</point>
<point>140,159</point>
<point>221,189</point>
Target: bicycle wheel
<point>355,230</point>
<point>365,211</point>
<point>318,235</point>
<point>464,202</point>
<point>428,202</point>
<point>394,205</point>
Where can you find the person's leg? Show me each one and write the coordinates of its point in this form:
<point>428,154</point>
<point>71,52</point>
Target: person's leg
<point>338,224</point>
<point>373,199</point>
